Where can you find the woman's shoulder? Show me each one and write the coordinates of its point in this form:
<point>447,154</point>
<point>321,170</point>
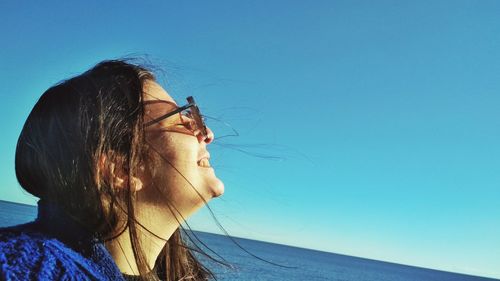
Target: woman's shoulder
<point>26,253</point>
<point>24,238</point>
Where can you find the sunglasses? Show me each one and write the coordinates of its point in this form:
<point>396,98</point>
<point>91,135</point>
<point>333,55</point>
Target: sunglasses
<point>190,110</point>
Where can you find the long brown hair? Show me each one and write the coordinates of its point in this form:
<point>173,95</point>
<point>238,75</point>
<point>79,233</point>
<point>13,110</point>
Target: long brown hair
<point>72,126</point>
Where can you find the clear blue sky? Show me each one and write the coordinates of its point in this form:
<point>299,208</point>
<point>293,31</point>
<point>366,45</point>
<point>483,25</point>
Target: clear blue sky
<point>384,114</point>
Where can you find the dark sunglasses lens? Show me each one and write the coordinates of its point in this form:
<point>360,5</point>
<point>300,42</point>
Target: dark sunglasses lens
<point>199,120</point>
<point>196,115</point>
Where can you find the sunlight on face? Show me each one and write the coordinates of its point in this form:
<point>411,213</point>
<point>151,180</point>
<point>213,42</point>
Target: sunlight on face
<point>183,173</point>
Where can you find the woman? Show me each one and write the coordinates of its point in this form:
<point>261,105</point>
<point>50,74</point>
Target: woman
<point>118,166</point>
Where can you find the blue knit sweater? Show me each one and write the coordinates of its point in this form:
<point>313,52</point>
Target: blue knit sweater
<point>53,247</point>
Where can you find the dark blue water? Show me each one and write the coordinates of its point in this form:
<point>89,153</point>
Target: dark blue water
<point>310,265</point>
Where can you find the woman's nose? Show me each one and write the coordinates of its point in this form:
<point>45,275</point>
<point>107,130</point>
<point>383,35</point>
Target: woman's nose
<point>210,136</point>
<point>202,138</point>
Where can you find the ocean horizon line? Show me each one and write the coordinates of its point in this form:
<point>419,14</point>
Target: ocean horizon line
<point>357,257</point>
<point>493,277</point>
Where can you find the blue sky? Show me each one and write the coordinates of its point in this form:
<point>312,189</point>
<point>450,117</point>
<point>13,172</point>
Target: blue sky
<point>382,118</point>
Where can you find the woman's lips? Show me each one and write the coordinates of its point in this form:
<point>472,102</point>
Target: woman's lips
<point>204,163</point>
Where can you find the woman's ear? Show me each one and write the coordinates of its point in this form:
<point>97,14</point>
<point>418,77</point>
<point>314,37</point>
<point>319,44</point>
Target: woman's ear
<point>136,183</point>
<point>114,173</point>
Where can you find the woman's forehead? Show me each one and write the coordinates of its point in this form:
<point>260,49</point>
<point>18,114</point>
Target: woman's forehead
<point>153,91</point>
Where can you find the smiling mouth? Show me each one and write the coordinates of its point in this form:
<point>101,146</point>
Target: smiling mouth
<point>204,163</point>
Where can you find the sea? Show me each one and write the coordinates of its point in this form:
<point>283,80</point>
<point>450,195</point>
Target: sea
<point>269,261</point>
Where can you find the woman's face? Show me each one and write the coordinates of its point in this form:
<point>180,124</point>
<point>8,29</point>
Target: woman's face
<point>182,172</point>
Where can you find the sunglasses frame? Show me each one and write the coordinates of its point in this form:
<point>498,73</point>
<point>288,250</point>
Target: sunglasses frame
<point>196,115</point>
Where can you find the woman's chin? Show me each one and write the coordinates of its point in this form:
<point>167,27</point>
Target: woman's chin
<point>214,187</point>
<point>217,189</point>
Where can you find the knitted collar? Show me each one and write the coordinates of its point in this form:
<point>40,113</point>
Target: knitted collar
<point>57,223</point>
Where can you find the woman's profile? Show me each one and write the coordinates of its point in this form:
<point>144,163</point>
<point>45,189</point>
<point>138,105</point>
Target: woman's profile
<point>118,166</point>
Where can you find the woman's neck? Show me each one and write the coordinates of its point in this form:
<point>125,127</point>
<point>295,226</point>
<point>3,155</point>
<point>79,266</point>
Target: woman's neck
<point>121,249</point>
